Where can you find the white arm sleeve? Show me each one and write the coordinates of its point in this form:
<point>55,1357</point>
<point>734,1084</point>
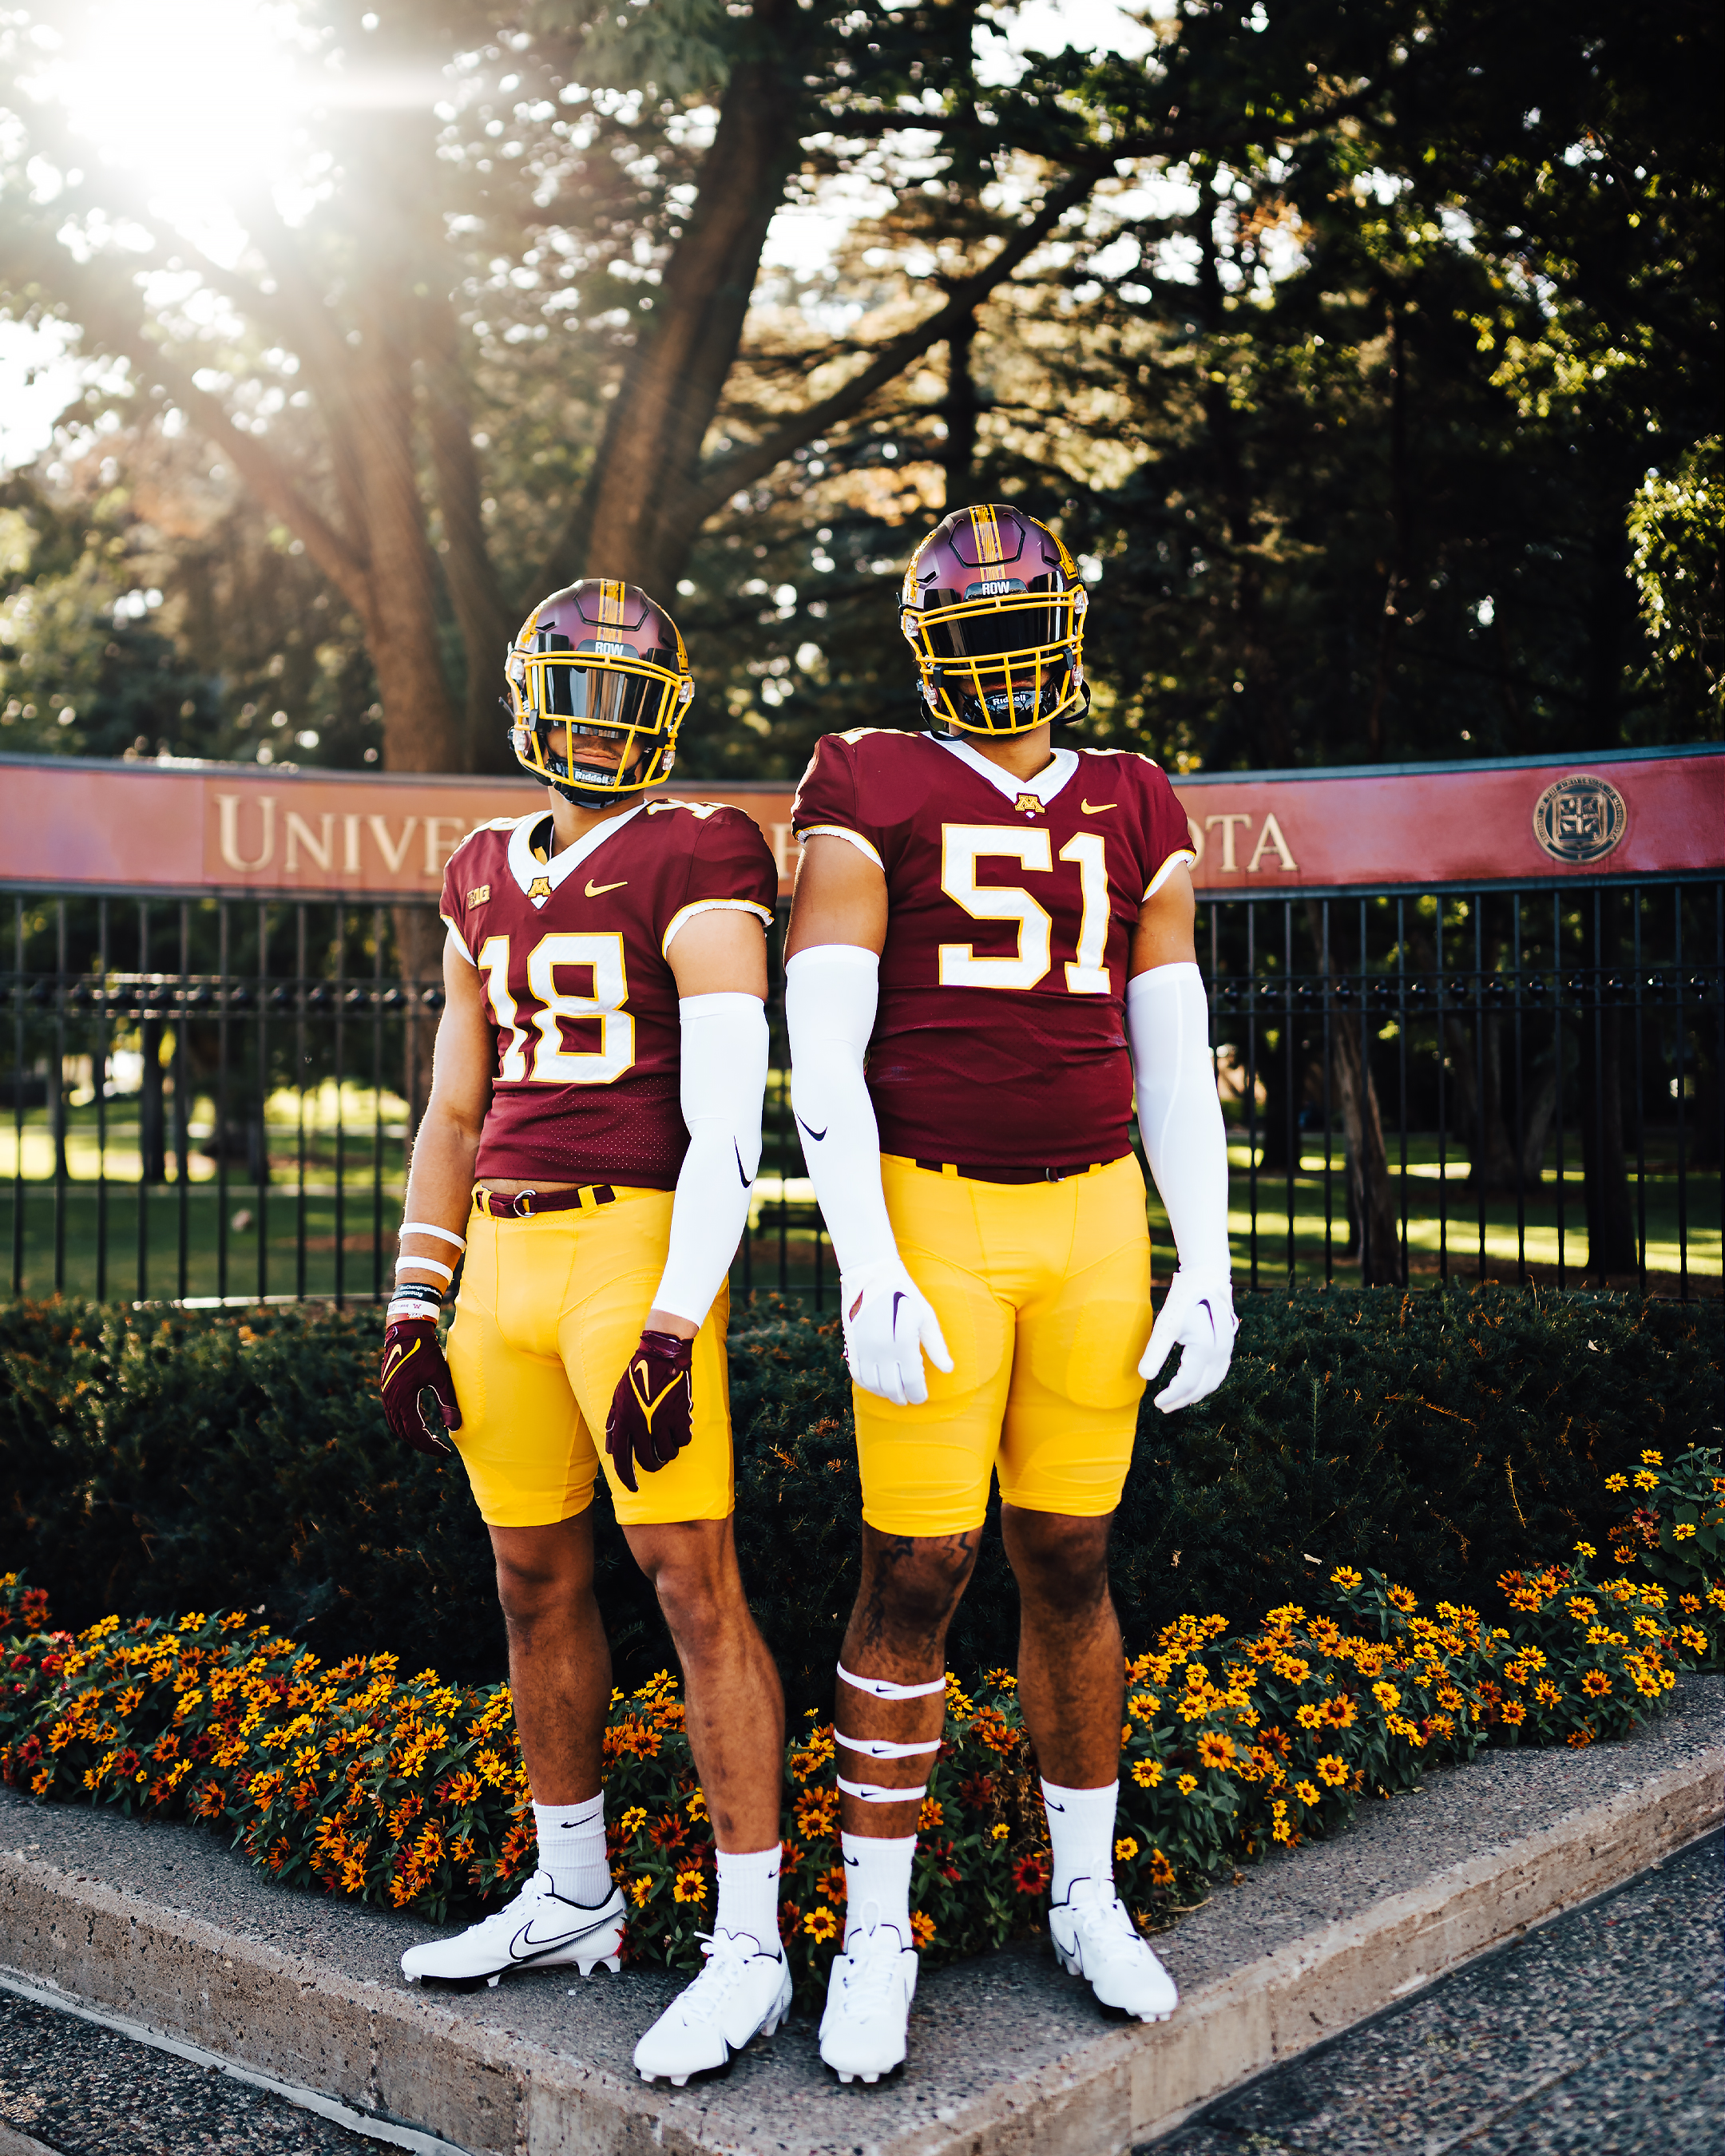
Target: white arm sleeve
<point>724,1080</point>
<point>830,995</point>
<point>1179,1117</point>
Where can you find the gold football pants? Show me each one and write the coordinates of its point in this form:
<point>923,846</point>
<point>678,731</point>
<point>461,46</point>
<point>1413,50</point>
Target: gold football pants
<point>1042,1293</point>
<point>550,1311</point>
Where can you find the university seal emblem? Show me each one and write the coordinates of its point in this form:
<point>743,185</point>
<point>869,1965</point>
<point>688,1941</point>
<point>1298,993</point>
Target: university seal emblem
<point>1580,819</point>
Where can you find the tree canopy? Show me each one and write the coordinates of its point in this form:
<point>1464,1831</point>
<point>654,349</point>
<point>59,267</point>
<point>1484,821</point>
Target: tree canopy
<point>1365,353</point>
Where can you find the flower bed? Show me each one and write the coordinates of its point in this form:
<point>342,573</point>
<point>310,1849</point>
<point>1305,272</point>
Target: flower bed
<point>409,1793</point>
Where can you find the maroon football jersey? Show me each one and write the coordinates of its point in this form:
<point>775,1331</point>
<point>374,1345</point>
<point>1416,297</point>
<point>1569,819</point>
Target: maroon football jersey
<point>1001,1037</point>
<point>570,953</point>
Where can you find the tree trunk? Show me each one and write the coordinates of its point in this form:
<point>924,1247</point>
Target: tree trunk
<point>1371,1194</point>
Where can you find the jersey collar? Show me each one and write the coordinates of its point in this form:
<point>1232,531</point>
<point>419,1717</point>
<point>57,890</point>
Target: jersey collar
<point>1047,782</point>
<point>527,871</point>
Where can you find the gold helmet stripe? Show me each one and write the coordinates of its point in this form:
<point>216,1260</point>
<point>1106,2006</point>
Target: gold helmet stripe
<point>610,603</point>
<point>985,528</point>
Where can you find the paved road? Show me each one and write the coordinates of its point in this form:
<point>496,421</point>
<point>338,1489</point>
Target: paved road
<point>81,2089</point>
<point>1598,2035</point>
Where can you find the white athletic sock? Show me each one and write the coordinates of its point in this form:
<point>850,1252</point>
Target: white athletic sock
<point>572,1848</point>
<point>1081,1833</point>
<point>748,1896</point>
<point>878,1871</point>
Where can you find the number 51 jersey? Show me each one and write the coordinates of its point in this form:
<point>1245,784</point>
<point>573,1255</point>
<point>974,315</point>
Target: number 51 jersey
<point>1000,1040</point>
<point>571,953</point>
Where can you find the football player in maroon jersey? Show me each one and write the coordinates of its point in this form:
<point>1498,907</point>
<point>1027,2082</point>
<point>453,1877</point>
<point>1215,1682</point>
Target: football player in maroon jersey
<point>992,938</point>
<point>593,1130</point>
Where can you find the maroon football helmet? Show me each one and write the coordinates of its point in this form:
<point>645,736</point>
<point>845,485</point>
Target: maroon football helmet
<point>598,660</point>
<point>994,608</point>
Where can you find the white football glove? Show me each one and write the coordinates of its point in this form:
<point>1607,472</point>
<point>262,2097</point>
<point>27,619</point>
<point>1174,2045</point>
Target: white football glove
<point>1197,1316</point>
<point>889,1326</point>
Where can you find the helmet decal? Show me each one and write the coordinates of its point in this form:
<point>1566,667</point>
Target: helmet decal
<point>992,606</point>
<point>599,665</point>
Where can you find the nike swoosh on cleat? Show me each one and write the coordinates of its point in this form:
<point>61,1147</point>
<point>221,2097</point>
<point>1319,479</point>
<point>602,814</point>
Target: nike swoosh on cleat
<point>540,1947</point>
<point>1089,809</point>
<point>816,1135</point>
<point>598,890</point>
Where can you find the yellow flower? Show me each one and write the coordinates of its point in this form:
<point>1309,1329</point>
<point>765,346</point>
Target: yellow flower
<point>922,1927</point>
<point>633,1821</point>
<point>1387,1697</point>
<point>1346,1577</point>
<point>696,1806</point>
<point>1332,1769</point>
<point>640,1886</point>
<point>1405,1600</point>
<point>1125,1849</point>
<point>999,1831</point>
<point>820,1924</point>
<point>1617,1481</point>
<point>1682,1530</point>
<point>1309,1717</point>
<point>1186,1784</point>
<point>1654,1459</point>
<point>1547,1693</point>
<point>1307,1792</point>
<point>690,1887</point>
<point>1596,1684</point>
<point>1514,1713</point>
<point>1142,1705</point>
<point>1147,1773</point>
<point>930,1817</point>
<point>1646,1479</point>
<point>1585,1549</point>
<point>1216,1750</point>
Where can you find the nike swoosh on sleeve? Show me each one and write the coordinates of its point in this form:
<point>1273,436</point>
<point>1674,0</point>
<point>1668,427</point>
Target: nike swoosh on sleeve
<point>598,890</point>
<point>1089,809</point>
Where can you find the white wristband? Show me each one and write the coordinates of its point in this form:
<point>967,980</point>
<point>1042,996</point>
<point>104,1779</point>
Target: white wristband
<point>425,1227</point>
<point>424,1266</point>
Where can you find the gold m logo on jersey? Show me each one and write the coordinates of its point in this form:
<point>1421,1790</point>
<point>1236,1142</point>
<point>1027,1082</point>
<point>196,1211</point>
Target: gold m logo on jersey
<point>1027,804</point>
<point>539,887</point>
<point>1580,819</point>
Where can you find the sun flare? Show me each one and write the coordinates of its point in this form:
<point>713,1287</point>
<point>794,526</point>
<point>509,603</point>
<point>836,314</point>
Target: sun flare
<point>199,99</point>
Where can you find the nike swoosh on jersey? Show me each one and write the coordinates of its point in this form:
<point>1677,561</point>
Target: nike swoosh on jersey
<point>1089,809</point>
<point>598,890</point>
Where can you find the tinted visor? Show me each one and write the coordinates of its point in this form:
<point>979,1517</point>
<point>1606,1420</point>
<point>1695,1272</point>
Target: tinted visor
<point>988,628</point>
<point>597,696</point>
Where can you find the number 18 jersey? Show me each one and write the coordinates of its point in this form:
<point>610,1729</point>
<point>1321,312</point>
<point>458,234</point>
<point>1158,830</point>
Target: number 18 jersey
<point>1000,1040</point>
<point>582,1003</point>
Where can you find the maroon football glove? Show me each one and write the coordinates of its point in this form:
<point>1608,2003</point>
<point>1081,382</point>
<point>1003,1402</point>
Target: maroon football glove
<point>414,1361</point>
<point>653,1409</point>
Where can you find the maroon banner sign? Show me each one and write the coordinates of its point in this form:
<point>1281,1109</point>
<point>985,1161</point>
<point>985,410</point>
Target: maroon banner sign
<point>145,827</point>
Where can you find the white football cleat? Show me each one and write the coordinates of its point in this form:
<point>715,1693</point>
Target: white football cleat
<point>538,1929</point>
<point>1094,1936</point>
<point>742,1994</point>
<point>869,1994</point>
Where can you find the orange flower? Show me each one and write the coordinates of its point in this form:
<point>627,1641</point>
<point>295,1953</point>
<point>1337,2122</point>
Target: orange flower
<point>922,1928</point>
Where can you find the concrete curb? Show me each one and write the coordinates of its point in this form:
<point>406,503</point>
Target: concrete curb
<point>415,2061</point>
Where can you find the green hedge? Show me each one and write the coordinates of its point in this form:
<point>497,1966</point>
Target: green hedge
<point>154,1462</point>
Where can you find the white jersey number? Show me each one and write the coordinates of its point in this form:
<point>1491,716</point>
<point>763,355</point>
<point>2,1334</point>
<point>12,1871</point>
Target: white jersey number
<point>962,846</point>
<point>553,1065</point>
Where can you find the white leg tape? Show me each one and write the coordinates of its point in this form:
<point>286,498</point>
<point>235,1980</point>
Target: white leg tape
<point>880,1748</point>
<point>425,1227</point>
<point>884,1687</point>
<point>872,1793</point>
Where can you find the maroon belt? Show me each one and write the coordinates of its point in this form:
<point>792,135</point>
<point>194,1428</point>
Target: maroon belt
<point>972,1174</point>
<point>526,1204</point>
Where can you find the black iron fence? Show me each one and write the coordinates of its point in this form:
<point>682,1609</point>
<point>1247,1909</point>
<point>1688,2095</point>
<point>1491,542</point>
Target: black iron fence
<point>206,1098</point>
